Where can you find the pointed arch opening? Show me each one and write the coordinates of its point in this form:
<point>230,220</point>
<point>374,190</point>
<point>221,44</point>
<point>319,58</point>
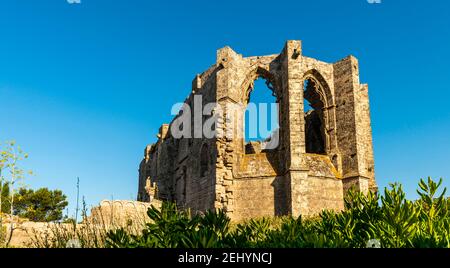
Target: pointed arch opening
<point>261,116</point>
<point>315,119</point>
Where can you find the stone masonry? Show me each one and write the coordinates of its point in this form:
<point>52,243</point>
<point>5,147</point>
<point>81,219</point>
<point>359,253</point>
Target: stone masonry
<point>321,153</point>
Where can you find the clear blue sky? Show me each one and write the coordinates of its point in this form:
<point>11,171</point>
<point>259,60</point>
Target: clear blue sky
<point>84,87</point>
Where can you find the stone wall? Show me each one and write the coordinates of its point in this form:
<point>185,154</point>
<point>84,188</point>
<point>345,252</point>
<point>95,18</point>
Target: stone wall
<point>319,193</point>
<point>320,155</point>
<point>109,215</point>
<point>259,197</point>
<point>120,212</point>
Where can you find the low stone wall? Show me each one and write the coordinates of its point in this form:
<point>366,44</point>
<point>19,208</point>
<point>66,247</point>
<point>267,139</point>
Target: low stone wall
<point>121,212</point>
<point>131,215</point>
<point>24,231</point>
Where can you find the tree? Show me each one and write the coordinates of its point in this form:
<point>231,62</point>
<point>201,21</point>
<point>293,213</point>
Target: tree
<point>3,192</point>
<point>4,198</point>
<point>10,157</point>
<point>42,205</point>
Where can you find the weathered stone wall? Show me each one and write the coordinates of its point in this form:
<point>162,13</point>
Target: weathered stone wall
<point>171,169</point>
<point>319,193</point>
<point>25,232</point>
<point>307,172</point>
<point>121,213</point>
<point>109,215</point>
<point>259,197</point>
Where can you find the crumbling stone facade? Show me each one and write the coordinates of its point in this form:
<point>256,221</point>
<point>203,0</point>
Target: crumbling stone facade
<point>321,153</point>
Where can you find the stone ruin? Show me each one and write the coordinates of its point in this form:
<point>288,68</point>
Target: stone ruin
<point>120,213</point>
<point>321,154</point>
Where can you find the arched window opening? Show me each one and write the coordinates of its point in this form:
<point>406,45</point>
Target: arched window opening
<point>314,118</point>
<point>261,122</point>
<point>204,160</point>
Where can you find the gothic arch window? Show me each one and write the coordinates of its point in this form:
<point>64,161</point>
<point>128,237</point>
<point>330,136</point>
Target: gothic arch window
<point>204,160</point>
<point>315,128</point>
<point>261,116</point>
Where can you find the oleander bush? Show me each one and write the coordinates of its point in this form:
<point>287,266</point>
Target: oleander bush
<point>390,220</point>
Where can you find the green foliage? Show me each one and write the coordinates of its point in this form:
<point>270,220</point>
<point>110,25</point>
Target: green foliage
<point>391,219</point>
<point>10,175</point>
<point>173,228</point>
<point>41,205</point>
<point>5,196</point>
<point>434,216</point>
<point>10,156</point>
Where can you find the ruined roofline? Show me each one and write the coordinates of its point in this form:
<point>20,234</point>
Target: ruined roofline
<point>221,62</point>
<point>272,56</point>
<point>197,82</point>
<point>228,48</point>
<point>315,159</point>
<point>319,61</point>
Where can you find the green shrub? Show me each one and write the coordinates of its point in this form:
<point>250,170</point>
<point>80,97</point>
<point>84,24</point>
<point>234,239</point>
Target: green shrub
<point>391,219</point>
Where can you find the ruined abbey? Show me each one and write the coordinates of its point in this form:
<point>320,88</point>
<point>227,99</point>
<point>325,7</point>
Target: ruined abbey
<point>320,154</point>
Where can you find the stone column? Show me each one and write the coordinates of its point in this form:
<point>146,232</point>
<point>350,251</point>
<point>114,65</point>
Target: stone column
<point>293,125</point>
<point>353,126</point>
<point>228,146</point>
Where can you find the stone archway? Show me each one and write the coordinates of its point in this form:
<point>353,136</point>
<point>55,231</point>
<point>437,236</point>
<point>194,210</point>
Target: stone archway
<point>320,122</point>
<point>271,142</point>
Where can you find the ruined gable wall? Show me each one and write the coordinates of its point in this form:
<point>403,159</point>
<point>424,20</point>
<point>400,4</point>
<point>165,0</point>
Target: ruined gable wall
<point>259,185</point>
<point>286,180</point>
